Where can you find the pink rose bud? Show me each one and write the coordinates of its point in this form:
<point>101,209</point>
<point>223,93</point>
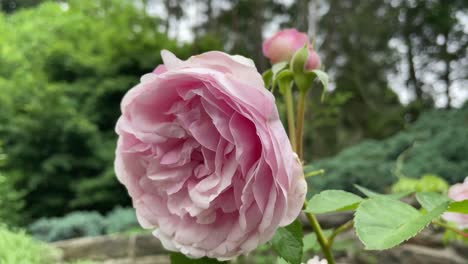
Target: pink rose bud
<point>283,45</point>
<point>458,192</point>
<point>313,62</point>
<point>205,158</point>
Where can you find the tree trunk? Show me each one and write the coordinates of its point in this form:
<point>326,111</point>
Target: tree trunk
<point>210,15</point>
<point>168,10</point>
<point>412,78</point>
<point>446,75</point>
<point>313,18</point>
<point>303,14</point>
<point>256,34</point>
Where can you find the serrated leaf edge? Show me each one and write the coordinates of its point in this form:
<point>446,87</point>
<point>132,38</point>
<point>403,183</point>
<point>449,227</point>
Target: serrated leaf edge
<point>383,248</point>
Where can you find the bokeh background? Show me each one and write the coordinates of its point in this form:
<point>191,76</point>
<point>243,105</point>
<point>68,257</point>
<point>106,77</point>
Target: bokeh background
<point>396,106</point>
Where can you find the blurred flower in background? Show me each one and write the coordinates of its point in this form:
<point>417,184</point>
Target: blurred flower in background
<point>458,192</point>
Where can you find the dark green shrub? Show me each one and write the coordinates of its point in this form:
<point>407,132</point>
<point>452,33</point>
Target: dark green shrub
<point>437,143</point>
<point>11,199</point>
<point>77,224</point>
<point>120,220</point>
<point>11,202</point>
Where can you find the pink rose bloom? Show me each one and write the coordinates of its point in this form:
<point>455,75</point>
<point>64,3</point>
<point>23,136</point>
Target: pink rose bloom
<point>313,62</point>
<point>458,192</point>
<point>282,46</point>
<point>205,157</point>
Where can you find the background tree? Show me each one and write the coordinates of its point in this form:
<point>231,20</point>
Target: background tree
<point>64,92</point>
<point>65,66</point>
<point>436,43</point>
<point>9,6</point>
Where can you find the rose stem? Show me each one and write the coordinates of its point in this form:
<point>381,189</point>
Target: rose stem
<point>323,241</point>
<point>300,122</point>
<point>454,229</point>
<point>288,97</point>
<point>345,227</point>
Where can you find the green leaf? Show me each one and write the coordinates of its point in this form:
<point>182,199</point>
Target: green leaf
<point>459,207</point>
<point>280,260</point>
<point>178,258</point>
<point>369,193</point>
<point>383,223</point>
<point>310,242</point>
<point>430,200</point>
<point>287,242</point>
<point>398,196</point>
<point>332,201</point>
<point>323,78</point>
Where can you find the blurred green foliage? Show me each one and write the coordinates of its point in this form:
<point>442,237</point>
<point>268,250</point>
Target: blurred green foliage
<point>17,247</point>
<point>11,199</point>
<point>11,202</point>
<point>84,224</point>
<point>427,183</point>
<point>437,144</point>
<point>63,71</point>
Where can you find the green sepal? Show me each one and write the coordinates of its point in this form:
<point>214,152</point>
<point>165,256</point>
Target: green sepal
<point>299,60</point>
<point>276,73</point>
<point>323,78</point>
<point>268,78</point>
<point>302,78</point>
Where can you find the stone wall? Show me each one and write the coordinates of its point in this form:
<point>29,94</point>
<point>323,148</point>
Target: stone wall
<point>426,248</point>
<point>114,249</point>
